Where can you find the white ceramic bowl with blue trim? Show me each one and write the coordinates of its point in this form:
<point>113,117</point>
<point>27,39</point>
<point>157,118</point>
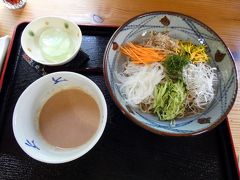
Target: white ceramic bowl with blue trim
<point>25,117</point>
<point>185,28</point>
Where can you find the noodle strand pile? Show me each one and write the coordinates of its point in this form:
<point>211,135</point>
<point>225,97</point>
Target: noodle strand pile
<point>167,77</point>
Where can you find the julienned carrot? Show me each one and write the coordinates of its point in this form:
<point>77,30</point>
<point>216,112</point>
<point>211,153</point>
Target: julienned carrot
<point>142,55</point>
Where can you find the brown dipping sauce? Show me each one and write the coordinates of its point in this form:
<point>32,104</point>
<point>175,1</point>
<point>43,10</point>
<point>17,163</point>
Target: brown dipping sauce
<point>69,118</point>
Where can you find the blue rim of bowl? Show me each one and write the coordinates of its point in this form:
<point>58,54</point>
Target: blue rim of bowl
<point>128,115</point>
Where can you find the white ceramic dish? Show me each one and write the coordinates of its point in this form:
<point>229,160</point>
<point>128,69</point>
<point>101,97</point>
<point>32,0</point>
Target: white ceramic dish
<point>35,30</point>
<point>25,120</point>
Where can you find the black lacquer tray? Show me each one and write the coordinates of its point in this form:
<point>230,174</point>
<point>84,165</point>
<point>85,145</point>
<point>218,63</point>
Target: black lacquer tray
<point>125,151</point>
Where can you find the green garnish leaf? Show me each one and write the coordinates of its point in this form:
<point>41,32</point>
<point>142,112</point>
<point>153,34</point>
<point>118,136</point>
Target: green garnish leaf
<point>31,33</point>
<point>66,25</point>
<point>174,65</point>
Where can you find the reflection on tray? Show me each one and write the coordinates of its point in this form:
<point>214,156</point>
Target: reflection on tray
<point>73,65</point>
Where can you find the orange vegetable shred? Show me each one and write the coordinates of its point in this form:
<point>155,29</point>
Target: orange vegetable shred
<point>142,55</point>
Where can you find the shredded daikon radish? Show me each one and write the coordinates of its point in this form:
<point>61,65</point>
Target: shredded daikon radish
<point>200,79</point>
<point>138,82</point>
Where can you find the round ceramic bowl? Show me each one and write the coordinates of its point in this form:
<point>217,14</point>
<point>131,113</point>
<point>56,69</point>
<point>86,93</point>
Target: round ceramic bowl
<point>26,112</point>
<point>51,40</point>
<point>185,28</point>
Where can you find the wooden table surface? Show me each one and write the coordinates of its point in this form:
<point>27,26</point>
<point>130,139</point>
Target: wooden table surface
<point>221,15</point>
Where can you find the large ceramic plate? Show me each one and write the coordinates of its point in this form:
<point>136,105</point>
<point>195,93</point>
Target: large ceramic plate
<point>186,28</point>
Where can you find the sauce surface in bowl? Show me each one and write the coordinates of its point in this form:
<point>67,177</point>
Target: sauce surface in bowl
<point>69,118</point>
<point>55,44</point>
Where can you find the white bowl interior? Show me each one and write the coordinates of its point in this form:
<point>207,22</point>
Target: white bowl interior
<point>27,109</point>
<point>32,32</point>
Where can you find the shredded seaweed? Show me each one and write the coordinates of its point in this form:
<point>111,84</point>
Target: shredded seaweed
<point>169,100</point>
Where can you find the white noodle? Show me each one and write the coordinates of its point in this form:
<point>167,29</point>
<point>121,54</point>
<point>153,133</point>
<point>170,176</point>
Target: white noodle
<point>199,79</point>
<point>138,82</point>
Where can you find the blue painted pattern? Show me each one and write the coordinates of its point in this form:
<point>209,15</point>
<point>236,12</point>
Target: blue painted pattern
<point>167,127</point>
<point>31,144</point>
<point>140,25</point>
<point>197,33</point>
<point>187,31</point>
<point>58,80</point>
